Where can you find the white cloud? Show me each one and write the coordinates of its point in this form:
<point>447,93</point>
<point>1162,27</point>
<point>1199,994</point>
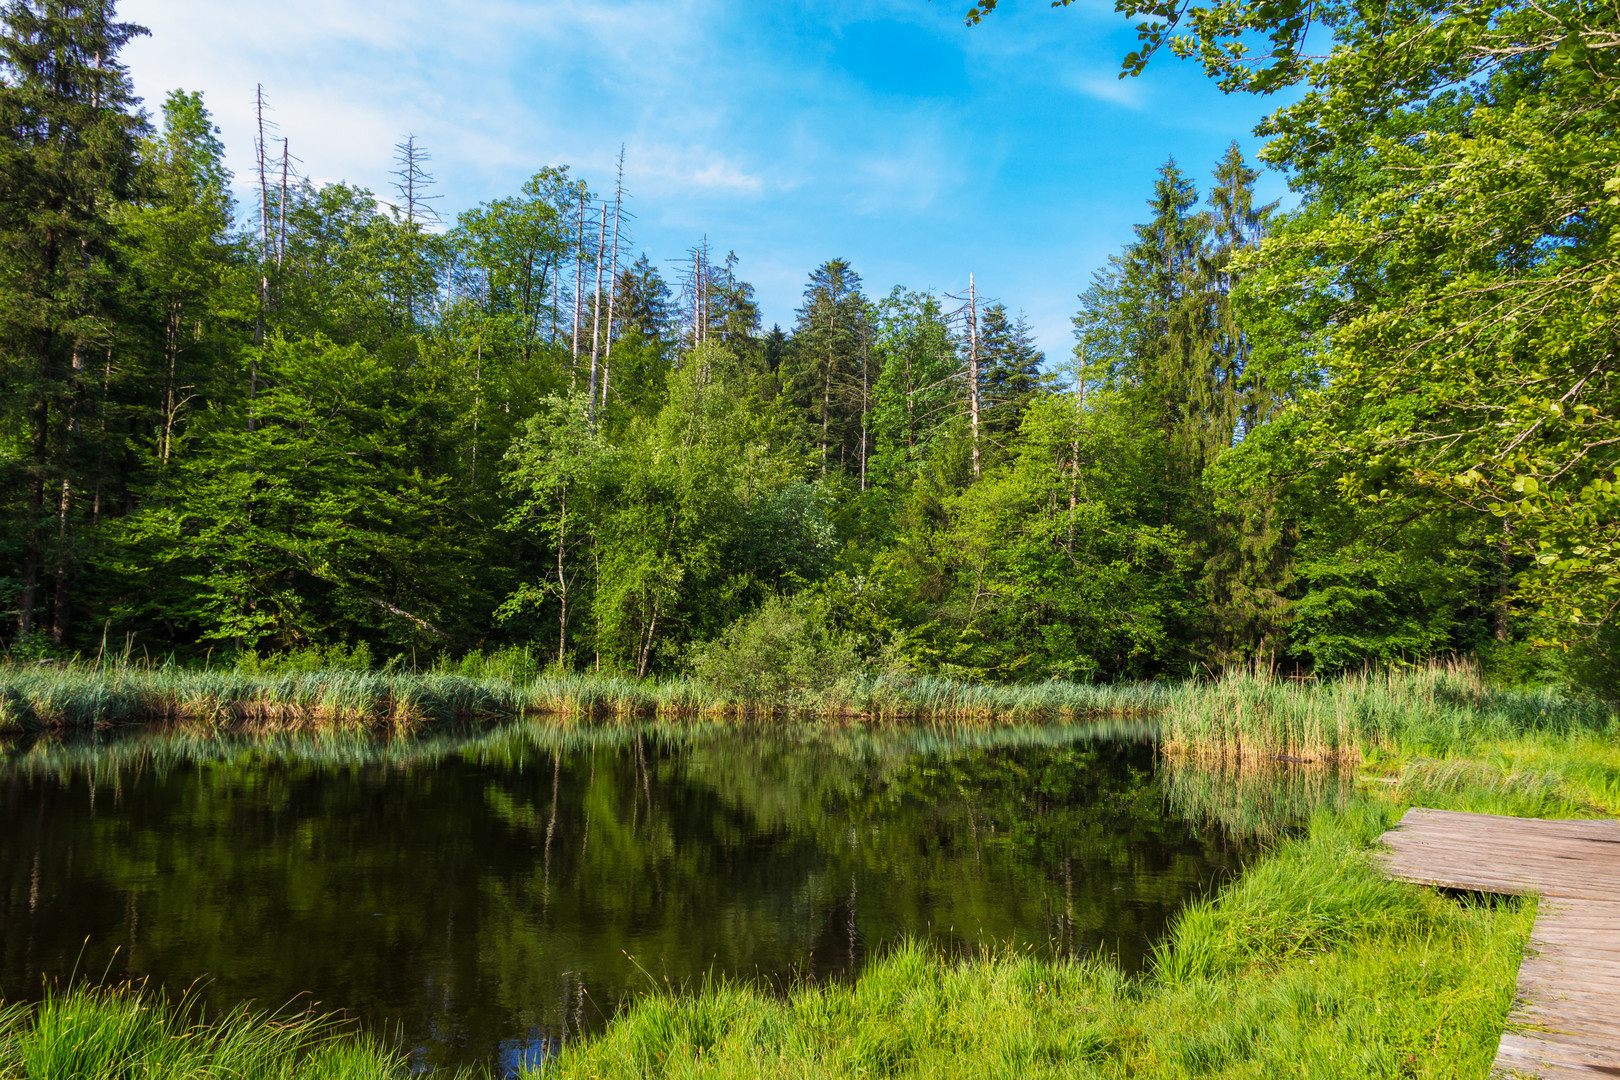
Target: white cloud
<point>738,122</point>
<point>1127,93</point>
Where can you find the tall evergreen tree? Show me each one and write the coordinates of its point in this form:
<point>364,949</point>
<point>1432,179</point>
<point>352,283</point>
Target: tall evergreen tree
<point>831,374</point>
<point>1011,367</point>
<point>67,158</point>
<point>645,303</point>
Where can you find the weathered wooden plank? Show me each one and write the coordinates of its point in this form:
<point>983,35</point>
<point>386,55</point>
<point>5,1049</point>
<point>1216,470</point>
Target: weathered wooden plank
<point>1565,1022</point>
<point>1599,828</point>
<point>1535,1046</point>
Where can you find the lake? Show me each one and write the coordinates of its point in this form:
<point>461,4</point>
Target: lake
<point>487,895</point>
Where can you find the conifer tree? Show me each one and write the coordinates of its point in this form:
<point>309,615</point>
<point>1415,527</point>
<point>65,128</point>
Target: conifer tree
<point>1011,367</point>
<point>831,377</point>
<point>67,158</point>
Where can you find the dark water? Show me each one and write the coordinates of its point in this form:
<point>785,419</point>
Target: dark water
<point>486,896</point>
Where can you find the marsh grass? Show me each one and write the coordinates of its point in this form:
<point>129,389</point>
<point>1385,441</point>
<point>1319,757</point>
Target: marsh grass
<point>1242,717</point>
<point>1250,716</point>
<point>34,697</point>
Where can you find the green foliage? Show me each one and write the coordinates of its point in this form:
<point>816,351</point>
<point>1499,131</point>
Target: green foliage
<point>784,652</point>
<point>1372,431</point>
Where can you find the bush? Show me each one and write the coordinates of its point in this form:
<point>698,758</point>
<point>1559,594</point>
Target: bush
<point>783,653</point>
<point>309,659</point>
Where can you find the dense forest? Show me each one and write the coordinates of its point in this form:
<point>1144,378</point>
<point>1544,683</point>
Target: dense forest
<point>1378,427</point>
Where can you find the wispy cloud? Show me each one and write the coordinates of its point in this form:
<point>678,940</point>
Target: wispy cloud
<point>879,130</point>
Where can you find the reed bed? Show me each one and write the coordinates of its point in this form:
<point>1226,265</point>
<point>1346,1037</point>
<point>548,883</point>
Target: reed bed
<point>1253,716</point>
<point>57,696</point>
<point>1241,717</point>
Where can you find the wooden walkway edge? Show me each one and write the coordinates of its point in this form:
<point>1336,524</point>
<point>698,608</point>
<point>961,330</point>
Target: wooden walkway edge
<point>1565,1021</point>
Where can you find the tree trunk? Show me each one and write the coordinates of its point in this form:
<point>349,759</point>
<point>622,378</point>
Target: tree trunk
<point>973,369</point>
<point>62,595</point>
<point>29,598</point>
<point>596,313</point>
<point>562,586</point>
<point>1504,582</point>
<point>579,270</point>
<point>171,350</point>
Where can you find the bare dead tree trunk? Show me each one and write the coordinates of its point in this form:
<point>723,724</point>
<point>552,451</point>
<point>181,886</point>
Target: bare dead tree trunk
<point>866,391</point>
<point>62,594</point>
<point>281,211</point>
<point>579,270</point>
<point>264,259</point>
<point>973,369</point>
<point>596,313</point>
<point>613,276</point>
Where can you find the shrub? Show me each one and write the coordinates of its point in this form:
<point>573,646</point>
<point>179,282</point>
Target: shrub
<point>783,653</point>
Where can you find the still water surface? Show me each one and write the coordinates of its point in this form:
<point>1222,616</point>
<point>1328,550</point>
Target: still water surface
<point>488,895</point>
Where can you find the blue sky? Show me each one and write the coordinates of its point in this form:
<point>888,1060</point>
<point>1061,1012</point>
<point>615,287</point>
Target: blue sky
<point>884,132</point>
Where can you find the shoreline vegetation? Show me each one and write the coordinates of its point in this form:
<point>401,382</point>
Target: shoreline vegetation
<point>1243,716</point>
<point>1309,963</point>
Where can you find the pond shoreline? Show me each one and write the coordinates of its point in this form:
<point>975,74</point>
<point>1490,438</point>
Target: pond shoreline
<point>1245,716</point>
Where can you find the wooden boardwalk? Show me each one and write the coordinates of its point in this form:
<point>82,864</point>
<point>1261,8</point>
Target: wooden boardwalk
<point>1565,1021</point>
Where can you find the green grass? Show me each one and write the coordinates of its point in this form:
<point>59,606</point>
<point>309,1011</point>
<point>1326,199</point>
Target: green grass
<point>69,695</point>
<point>1398,712</point>
<point>129,1034</point>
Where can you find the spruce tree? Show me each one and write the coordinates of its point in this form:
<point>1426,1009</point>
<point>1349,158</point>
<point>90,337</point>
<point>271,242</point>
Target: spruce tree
<point>644,302</point>
<point>1011,366</point>
<point>67,158</point>
<point>831,376</point>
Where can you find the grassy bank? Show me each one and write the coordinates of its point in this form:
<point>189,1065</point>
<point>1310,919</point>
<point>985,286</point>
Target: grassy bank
<point>1371,716</point>
<point>1311,965</point>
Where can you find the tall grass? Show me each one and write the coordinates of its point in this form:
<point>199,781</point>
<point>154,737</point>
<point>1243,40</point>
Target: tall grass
<point>1241,717</point>
<point>1254,715</point>
<point>84,695</point>
<point>91,1033</point>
